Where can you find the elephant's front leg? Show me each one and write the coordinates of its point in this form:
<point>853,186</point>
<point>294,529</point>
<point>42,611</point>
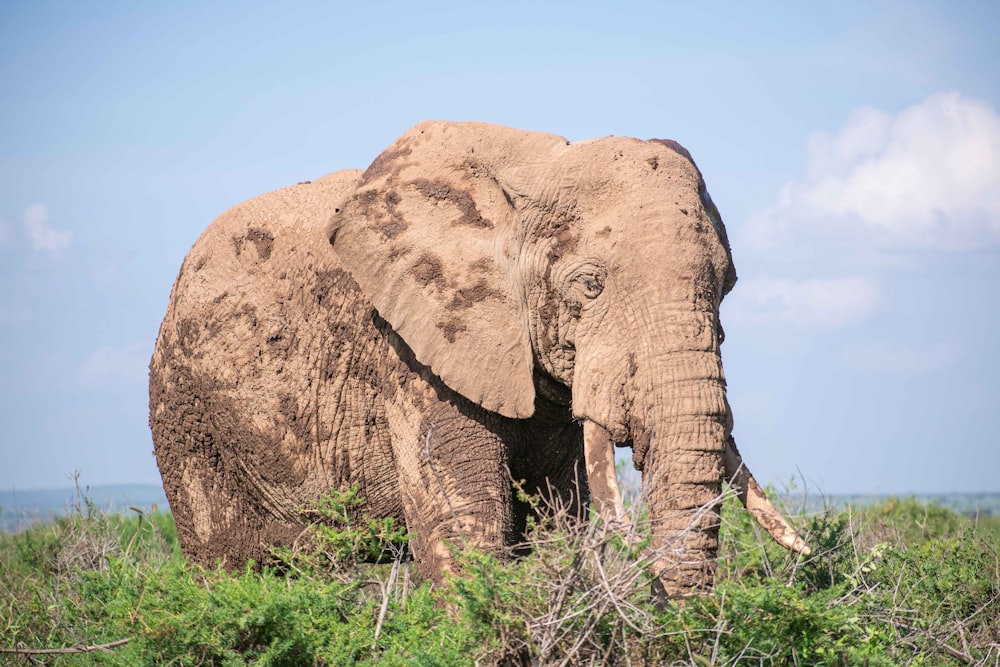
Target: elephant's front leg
<point>454,484</point>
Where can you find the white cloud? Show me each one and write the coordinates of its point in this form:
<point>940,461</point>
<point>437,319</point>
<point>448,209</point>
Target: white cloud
<point>802,304</point>
<point>109,367</point>
<point>42,237</point>
<point>899,358</point>
<point>927,177</point>
<point>3,232</point>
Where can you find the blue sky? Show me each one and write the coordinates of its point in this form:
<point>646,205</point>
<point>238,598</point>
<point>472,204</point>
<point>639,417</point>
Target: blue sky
<point>853,149</point>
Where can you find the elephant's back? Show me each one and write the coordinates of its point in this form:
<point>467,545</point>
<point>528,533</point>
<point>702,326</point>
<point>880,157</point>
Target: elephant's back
<point>249,384</point>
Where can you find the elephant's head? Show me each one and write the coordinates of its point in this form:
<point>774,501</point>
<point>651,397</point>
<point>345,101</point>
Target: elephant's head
<point>513,262</point>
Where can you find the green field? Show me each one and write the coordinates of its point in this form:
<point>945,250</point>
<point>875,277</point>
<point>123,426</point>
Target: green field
<point>892,583</point>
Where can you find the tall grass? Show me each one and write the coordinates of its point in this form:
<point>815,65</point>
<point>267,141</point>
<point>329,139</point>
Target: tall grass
<point>900,583</point>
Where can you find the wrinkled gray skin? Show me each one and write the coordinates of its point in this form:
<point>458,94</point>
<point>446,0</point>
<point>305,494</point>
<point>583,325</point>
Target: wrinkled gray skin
<point>495,304</point>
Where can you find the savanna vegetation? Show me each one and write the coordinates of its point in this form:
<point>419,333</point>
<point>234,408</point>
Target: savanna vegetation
<point>898,583</point>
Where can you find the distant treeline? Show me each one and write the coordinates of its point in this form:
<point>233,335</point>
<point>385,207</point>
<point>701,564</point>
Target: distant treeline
<point>966,504</point>
<point>22,509</point>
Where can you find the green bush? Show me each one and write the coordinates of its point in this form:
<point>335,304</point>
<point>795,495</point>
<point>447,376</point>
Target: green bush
<point>897,583</point>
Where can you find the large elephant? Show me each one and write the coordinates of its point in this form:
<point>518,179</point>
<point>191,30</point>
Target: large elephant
<point>496,305</point>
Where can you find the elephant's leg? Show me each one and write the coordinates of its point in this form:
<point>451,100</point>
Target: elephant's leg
<point>454,485</point>
<point>220,513</point>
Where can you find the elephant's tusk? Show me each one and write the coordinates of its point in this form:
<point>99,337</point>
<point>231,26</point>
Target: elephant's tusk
<point>756,502</point>
<point>599,454</point>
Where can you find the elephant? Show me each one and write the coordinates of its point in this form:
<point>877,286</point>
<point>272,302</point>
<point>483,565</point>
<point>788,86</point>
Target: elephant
<point>482,305</point>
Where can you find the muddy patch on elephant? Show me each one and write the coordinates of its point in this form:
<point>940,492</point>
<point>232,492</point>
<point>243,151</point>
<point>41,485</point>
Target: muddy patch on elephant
<point>262,240</point>
<point>465,297</point>
<point>398,252</point>
<point>380,211</point>
<point>461,199</point>
<point>451,328</point>
<point>396,224</point>
<point>429,269</point>
<point>387,165</point>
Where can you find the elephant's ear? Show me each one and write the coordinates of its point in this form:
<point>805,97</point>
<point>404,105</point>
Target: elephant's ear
<point>429,235</point>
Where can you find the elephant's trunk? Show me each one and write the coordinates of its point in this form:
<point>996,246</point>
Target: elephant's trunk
<point>682,481</point>
<point>675,414</point>
<point>682,478</point>
<point>684,447</point>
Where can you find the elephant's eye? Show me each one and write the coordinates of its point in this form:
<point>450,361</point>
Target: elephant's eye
<point>590,284</point>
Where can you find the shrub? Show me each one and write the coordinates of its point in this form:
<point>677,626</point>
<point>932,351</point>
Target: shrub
<point>898,583</point>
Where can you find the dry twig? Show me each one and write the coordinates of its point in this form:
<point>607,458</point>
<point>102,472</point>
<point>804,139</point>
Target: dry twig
<point>79,648</point>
